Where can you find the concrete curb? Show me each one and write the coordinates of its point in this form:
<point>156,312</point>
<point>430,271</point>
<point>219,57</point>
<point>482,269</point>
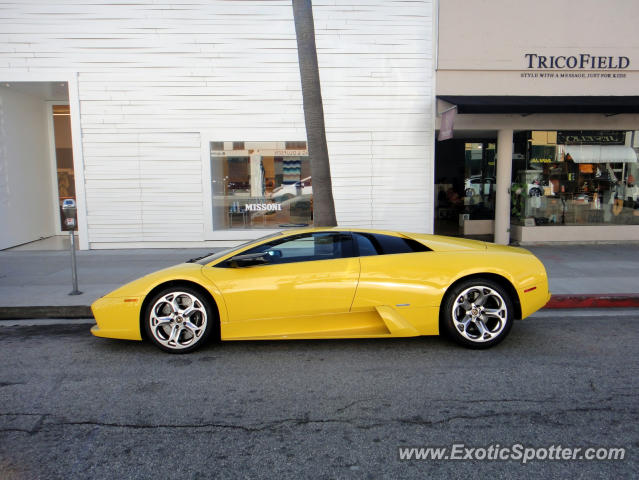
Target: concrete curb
<point>607,300</point>
<point>54,311</point>
<point>621,300</point>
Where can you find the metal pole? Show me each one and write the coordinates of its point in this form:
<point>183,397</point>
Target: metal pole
<point>74,267</point>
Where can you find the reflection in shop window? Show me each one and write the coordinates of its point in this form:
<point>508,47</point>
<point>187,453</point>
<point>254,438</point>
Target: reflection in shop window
<point>260,185</point>
<point>577,178</point>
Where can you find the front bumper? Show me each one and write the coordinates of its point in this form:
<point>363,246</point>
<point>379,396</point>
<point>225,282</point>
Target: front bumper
<point>117,317</point>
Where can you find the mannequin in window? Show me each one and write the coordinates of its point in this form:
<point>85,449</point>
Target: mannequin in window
<point>618,196</point>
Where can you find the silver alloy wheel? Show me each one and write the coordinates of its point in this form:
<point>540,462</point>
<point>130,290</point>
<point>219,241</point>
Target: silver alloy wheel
<point>178,320</point>
<point>479,313</point>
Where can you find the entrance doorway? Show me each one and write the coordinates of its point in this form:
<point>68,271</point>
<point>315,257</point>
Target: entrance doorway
<point>37,164</point>
<point>465,175</point>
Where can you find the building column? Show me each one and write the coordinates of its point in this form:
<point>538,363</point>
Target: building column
<point>502,186</point>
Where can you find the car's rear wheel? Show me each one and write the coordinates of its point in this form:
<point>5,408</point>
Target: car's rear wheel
<point>477,313</point>
<point>178,319</point>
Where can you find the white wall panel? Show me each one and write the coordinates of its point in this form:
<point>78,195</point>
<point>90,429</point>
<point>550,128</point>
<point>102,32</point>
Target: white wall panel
<point>376,71</point>
<point>26,196</point>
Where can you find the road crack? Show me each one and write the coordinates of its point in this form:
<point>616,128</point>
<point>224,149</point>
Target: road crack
<point>48,421</point>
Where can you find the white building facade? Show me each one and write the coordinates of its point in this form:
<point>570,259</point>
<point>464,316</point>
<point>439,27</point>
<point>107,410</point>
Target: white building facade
<point>177,124</point>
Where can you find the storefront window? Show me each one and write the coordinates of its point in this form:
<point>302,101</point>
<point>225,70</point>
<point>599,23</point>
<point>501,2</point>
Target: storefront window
<point>577,178</point>
<point>260,185</point>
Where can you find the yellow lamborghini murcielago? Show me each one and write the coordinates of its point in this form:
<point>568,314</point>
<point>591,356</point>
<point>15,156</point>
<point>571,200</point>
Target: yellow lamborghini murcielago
<point>331,283</point>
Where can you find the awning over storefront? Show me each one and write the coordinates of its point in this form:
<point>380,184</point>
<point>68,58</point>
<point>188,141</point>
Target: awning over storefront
<point>601,153</point>
<point>542,104</point>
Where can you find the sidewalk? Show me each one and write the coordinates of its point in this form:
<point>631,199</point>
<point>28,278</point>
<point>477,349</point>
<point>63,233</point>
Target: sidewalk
<point>43,278</point>
<point>591,276</point>
<point>580,276</point>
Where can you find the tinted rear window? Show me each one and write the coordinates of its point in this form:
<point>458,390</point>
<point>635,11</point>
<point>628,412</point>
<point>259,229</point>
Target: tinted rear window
<point>365,246</point>
<point>371,244</point>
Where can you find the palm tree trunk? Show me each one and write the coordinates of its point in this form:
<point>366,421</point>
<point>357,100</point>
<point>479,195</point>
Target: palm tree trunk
<point>323,204</point>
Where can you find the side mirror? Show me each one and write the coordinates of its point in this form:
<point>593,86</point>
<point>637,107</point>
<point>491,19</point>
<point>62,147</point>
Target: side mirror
<point>274,253</point>
<point>248,259</point>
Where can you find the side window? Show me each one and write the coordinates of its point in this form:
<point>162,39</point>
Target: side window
<point>307,247</point>
<point>378,244</point>
<point>296,248</point>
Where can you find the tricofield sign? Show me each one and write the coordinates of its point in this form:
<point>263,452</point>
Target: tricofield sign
<point>581,61</point>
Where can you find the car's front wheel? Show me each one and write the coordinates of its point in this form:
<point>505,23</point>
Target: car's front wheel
<point>477,313</point>
<point>178,319</point>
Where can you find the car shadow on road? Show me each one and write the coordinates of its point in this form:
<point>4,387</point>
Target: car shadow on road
<point>526,337</point>
<point>523,338</point>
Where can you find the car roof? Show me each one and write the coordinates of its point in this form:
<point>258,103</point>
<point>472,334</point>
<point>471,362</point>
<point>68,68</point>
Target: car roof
<point>435,242</point>
<point>295,231</point>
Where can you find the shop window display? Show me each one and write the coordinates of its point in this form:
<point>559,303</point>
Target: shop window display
<point>260,185</point>
<point>577,178</point>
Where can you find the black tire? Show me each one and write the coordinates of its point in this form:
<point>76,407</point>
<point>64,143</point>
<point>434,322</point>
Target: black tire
<point>473,322</point>
<point>171,325</point>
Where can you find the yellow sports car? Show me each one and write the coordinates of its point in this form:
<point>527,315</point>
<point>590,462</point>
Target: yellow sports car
<point>331,283</point>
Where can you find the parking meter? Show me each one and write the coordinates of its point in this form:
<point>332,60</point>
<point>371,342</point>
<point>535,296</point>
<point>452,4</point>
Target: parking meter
<point>69,213</point>
<point>70,216</point>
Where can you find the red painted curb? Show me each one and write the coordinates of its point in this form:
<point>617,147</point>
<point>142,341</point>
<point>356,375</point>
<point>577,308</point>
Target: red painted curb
<point>618,300</point>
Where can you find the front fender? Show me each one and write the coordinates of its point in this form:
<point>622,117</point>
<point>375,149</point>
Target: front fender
<point>118,313</point>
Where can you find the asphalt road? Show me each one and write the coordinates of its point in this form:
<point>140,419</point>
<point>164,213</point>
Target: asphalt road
<point>75,406</point>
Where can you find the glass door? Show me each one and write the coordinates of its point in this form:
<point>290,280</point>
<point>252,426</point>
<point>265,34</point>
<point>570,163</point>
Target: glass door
<point>479,181</point>
<point>65,175</point>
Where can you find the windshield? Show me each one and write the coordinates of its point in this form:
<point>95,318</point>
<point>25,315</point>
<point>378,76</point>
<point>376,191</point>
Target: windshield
<point>214,256</point>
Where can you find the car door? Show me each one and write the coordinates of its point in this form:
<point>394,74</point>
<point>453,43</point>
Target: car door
<point>307,279</point>
<point>397,276</point>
